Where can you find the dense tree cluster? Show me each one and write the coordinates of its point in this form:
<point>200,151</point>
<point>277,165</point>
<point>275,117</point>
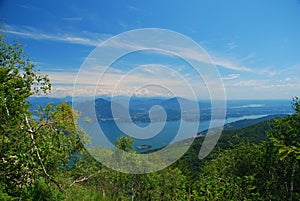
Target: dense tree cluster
<point>42,156</point>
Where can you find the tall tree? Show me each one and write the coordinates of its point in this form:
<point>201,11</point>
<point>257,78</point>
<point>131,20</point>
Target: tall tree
<point>18,81</point>
<point>286,138</point>
<point>31,149</point>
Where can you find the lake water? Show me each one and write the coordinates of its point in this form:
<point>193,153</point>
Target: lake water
<point>105,133</point>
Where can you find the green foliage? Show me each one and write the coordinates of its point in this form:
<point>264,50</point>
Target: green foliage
<point>45,159</point>
<point>286,133</point>
<point>246,171</point>
<point>168,184</point>
<point>286,138</point>
<point>58,136</point>
<point>230,176</point>
<point>43,190</point>
<point>85,193</point>
<point>31,151</point>
<point>4,196</point>
<point>125,143</point>
<point>18,80</point>
<point>190,164</point>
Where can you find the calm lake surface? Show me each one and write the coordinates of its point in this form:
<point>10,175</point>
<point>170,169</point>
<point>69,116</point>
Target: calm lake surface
<point>110,131</point>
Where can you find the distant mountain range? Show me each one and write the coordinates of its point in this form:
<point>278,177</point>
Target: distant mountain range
<point>139,107</point>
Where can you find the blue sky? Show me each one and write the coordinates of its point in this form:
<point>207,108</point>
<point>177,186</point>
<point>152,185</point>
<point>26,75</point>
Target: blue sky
<point>254,44</point>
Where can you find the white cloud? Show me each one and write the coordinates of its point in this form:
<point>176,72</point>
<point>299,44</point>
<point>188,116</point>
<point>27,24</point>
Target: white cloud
<point>146,80</point>
<point>229,64</point>
<point>231,77</point>
<point>181,50</point>
<point>287,79</point>
<point>250,83</point>
<point>94,39</point>
<point>30,32</point>
<point>157,73</point>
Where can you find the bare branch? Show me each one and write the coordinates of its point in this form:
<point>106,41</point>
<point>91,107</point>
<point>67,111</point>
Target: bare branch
<point>31,131</point>
<point>7,111</point>
<point>84,178</point>
<point>45,124</point>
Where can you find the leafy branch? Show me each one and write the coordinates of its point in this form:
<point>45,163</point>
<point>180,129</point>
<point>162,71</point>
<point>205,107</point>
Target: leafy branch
<point>32,132</point>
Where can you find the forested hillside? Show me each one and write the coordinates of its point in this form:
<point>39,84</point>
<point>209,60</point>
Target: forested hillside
<point>43,158</point>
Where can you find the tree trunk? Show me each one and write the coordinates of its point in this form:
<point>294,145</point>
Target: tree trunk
<point>292,180</point>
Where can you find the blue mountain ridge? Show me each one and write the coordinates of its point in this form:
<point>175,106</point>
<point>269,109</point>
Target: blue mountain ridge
<point>139,107</point>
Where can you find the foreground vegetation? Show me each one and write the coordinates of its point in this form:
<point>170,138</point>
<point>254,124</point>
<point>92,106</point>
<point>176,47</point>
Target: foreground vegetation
<point>43,158</point>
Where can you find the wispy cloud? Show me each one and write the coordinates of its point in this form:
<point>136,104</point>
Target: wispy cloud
<point>230,64</point>
<point>250,83</point>
<point>155,73</point>
<point>33,33</point>
<point>231,46</point>
<point>231,77</point>
<point>94,39</point>
<point>145,80</point>
<point>183,50</point>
